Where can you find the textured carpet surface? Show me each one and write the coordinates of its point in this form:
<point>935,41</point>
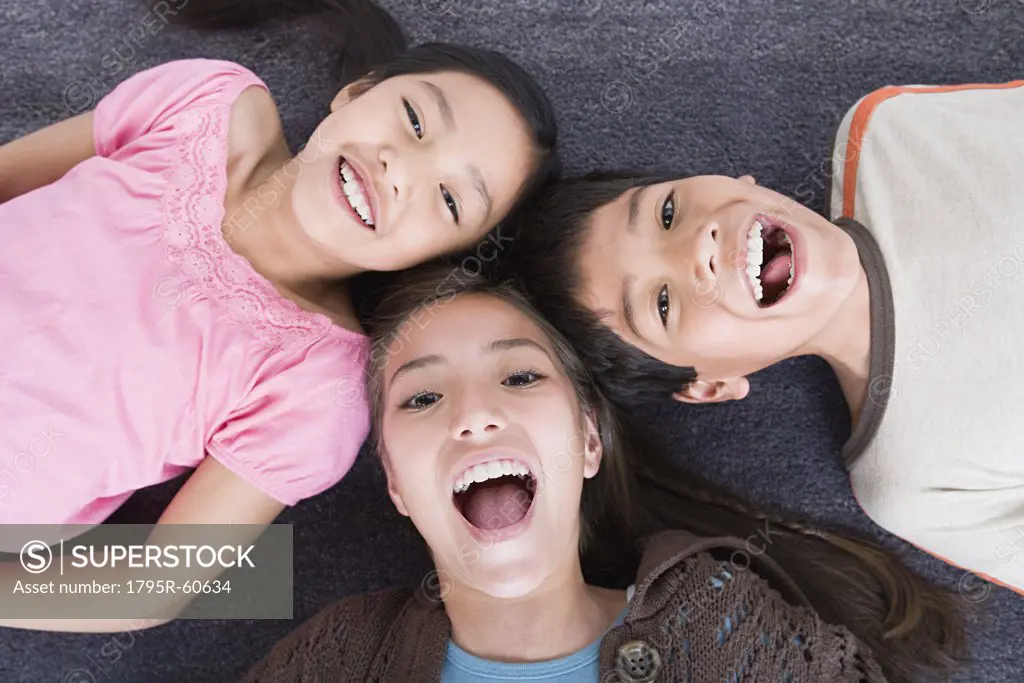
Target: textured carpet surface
<point>702,86</point>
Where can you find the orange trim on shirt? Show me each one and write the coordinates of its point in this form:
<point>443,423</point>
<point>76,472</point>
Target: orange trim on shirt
<point>982,575</point>
<point>867,107</point>
<point>1019,591</point>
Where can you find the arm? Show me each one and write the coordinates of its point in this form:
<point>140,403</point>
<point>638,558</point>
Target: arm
<point>42,157</point>
<point>212,495</point>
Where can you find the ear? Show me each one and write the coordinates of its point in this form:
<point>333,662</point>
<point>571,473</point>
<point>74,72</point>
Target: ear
<point>714,391</point>
<point>592,449</point>
<point>349,93</point>
<point>747,179</point>
<point>396,497</point>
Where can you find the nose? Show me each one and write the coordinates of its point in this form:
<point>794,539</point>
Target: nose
<point>402,169</point>
<point>393,175</point>
<point>702,251</point>
<point>698,272</point>
<point>478,418</point>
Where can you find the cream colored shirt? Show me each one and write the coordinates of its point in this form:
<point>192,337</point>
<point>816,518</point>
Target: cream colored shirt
<point>936,175</point>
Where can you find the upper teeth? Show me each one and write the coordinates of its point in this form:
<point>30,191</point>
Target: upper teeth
<point>755,257</point>
<point>354,193</point>
<point>489,470</point>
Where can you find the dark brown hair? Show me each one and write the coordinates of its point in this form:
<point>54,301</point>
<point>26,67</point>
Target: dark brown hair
<point>544,259</point>
<point>912,628</point>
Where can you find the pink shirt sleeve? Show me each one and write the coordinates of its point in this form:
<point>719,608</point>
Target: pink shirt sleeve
<point>301,426</point>
<point>149,101</point>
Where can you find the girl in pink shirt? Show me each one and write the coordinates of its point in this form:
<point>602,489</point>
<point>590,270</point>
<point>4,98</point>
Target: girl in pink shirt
<point>169,276</point>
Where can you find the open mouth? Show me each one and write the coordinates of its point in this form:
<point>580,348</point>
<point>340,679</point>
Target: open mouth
<point>494,495</point>
<point>770,262</point>
<point>353,189</point>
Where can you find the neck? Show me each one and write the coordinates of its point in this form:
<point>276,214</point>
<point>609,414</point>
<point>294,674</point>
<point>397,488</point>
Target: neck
<point>260,224</point>
<point>848,353</point>
<point>561,617</point>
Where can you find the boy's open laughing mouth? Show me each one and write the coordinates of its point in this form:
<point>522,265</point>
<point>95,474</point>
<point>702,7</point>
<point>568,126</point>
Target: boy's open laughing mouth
<point>771,263</point>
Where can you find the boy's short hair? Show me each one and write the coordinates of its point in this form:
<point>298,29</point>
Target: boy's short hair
<point>544,258</point>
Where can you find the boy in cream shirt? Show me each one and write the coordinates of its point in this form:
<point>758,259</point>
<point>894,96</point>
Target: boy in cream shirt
<point>914,294</point>
<point>937,456</point>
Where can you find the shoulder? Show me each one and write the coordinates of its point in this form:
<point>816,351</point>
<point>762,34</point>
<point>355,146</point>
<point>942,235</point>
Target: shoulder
<point>341,637</point>
<point>889,132</point>
<point>367,611</point>
<point>723,595</point>
<point>676,552</point>
<point>255,130</point>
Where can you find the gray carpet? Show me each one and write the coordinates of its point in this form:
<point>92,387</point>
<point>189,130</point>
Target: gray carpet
<point>723,86</point>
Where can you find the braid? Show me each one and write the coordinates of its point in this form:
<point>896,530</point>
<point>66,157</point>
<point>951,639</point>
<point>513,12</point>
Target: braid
<point>728,502</point>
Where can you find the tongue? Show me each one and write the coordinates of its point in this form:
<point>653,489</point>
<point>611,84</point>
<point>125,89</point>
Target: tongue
<point>776,271</point>
<point>775,276</point>
<point>496,504</point>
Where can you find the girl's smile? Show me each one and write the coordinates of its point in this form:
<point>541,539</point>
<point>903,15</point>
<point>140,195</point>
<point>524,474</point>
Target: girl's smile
<point>355,194</point>
<point>494,492</point>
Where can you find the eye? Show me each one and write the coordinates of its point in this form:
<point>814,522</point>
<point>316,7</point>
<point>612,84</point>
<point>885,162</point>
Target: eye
<point>413,118</point>
<point>663,305</point>
<point>668,211</point>
<point>451,203</point>
<point>523,378</point>
<point>420,401</point>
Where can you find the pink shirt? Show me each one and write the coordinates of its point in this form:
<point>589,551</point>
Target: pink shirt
<point>134,341</point>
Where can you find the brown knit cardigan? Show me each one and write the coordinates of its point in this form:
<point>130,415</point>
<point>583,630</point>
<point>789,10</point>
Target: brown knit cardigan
<point>692,618</point>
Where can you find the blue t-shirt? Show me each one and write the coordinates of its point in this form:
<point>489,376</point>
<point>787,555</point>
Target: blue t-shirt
<point>581,666</point>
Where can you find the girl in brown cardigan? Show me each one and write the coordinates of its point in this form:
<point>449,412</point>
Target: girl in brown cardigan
<point>561,556</point>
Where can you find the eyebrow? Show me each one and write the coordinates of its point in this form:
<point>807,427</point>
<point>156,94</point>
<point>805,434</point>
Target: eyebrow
<point>627,306</point>
<point>634,209</point>
<point>481,188</point>
<point>496,346</point>
<point>442,103</point>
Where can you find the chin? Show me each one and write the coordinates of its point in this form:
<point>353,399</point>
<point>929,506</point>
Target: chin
<point>507,582</point>
<point>507,571</point>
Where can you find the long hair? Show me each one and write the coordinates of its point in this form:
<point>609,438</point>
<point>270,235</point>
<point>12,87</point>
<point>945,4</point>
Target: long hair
<point>912,628</point>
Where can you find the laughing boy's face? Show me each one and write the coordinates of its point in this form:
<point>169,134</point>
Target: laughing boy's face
<point>718,274</point>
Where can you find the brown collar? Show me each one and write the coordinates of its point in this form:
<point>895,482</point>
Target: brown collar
<point>662,552</point>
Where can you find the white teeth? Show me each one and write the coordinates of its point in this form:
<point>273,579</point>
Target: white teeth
<point>755,255</point>
<point>490,470</point>
<point>755,258</point>
<point>354,193</point>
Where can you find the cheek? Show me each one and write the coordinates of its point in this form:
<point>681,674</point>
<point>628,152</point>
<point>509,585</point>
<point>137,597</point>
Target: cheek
<point>353,122</point>
<point>557,436</point>
<point>715,332</point>
<point>421,236</point>
<point>412,452</point>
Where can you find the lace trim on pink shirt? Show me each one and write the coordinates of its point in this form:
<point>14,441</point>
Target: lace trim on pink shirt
<point>193,210</point>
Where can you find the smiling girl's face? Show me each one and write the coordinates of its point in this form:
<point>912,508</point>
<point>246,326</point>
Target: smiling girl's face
<point>485,445</point>
<point>414,167</point>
